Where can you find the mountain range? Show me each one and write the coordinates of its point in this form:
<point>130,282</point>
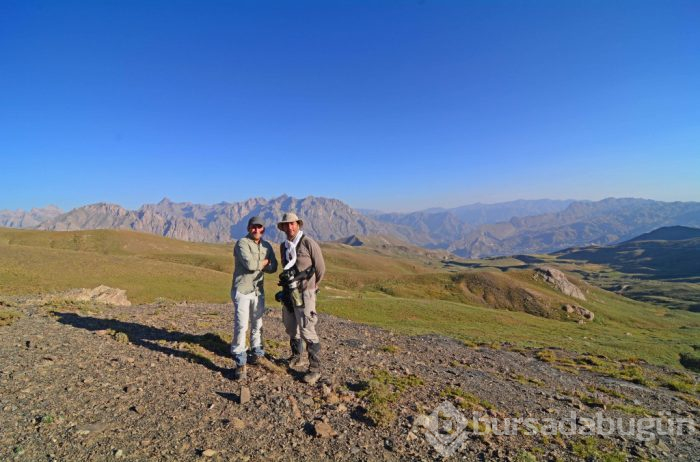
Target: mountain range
<point>28,219</point>
<point>472,231</point>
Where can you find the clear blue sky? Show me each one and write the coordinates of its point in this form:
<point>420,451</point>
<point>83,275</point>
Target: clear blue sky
<point>389,105</point>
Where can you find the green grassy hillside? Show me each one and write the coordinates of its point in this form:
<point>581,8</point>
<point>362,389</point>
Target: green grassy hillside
<point>661,267</point>
<point>375,285</point>
<point>148,267</point>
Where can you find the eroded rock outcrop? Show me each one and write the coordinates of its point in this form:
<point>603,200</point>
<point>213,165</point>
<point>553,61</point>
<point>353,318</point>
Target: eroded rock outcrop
<point>559,281</point>
<point>578,312</point>
<point>100,294</point>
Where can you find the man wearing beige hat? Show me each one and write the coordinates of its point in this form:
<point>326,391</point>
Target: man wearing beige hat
<point>303,267</point>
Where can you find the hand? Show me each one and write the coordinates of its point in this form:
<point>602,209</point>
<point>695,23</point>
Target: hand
<point>265,262</point>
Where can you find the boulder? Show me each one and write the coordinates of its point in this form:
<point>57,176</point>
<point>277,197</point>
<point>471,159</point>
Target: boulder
<point>100,294</point>
<point>578,312</point>
<point>323,430</point>
<point>559,281</point>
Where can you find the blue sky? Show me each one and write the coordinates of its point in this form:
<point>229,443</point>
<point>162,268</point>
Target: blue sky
<point>387,105</point>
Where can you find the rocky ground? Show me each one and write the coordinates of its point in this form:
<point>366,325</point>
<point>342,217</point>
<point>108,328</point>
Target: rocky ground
<point>82,382</point>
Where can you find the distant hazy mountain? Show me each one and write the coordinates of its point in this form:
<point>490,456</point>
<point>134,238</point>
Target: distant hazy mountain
<point>667,253</point>
<point>325,219</point>
<point>669,233</point>
<point>440,227</point>
<point>581,223</point>
<point>22,219</point>
<point>370,212</point>
<point>434,229</point>
<point>481,214</point>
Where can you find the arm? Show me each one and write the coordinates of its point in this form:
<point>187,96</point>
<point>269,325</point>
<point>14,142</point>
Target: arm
<point>283,254</point>
<point>272,266</point>
<point>317,259</point>
<point>244,257</point>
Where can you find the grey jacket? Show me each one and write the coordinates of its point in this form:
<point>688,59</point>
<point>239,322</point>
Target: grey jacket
<point>248,270</point>
<point>308,254</point>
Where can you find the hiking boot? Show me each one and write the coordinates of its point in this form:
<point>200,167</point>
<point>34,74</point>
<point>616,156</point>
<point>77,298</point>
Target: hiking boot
<point>255,359</point>
<point>314,350</point>
<point>314,373</point>
<point>296,360</point>
<point>240,373</point>
<point>311,377</point>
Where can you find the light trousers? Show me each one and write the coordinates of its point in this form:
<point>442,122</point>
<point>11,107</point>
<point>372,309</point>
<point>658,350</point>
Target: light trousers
<point>248,312</point>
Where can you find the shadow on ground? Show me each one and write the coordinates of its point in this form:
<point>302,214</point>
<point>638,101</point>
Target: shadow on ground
<point>150,337</point>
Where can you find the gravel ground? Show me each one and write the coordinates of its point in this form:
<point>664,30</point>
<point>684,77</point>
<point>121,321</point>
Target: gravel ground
<point>74,387</point>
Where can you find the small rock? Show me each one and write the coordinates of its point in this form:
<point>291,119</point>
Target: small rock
<point>245,395</point>
<point>323,430</point>
<point>209,453</point>
<point>119,453</point>
<point>422,421</point>
<point>295,407</point>
<point>92,428</point>
<point>238,424</point>
<point>325,390</point>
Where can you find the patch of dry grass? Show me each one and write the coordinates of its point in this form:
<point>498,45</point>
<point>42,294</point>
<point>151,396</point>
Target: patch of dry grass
<point>7,316</point>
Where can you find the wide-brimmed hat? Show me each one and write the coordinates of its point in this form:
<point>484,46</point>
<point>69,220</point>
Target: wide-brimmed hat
<point>289,217</point>
<point>255,221</point>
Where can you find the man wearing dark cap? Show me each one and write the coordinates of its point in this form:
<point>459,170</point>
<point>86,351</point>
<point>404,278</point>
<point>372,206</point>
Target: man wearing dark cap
<point>303,256</point>
<point>253,256</point>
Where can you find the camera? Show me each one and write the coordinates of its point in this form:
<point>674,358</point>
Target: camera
<point>291,295</point>
<point>289,280</point>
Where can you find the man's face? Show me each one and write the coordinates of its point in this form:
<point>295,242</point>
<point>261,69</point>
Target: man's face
<point>256,231</point>
<point>290,229</point>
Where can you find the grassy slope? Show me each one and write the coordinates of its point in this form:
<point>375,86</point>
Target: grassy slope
<point>656,271</point>
<point>35,270</point>
<point>412,295</point>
